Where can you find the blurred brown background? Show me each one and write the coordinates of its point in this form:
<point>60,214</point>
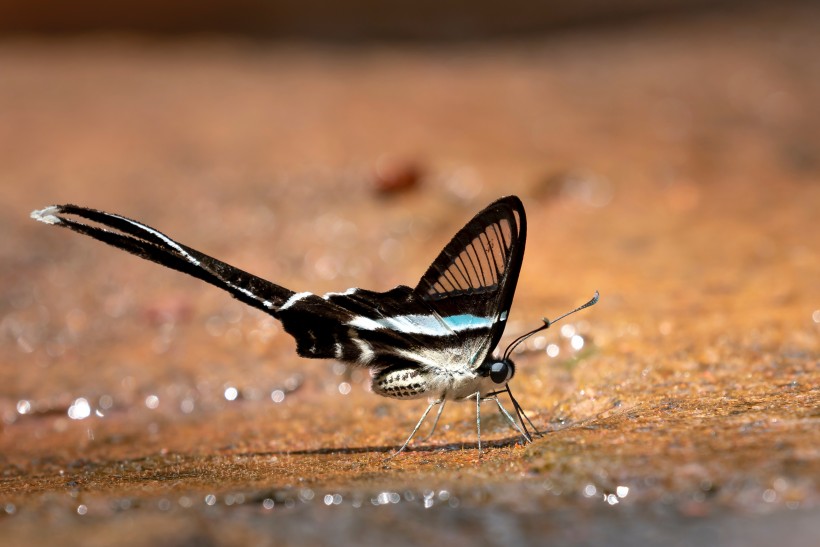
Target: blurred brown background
<point>332,20</point>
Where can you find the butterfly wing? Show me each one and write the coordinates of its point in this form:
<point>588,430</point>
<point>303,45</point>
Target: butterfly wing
<point>458,309</point>
<point>151,244</point>
<point>470,285</point>
<point>453,318</point>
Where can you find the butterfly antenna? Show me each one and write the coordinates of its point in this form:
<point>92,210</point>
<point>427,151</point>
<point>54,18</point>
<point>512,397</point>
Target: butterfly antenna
<point>546,325</point>
<point>523,337</point>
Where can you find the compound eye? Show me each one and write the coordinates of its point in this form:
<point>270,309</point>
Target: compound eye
<point>499,372</point>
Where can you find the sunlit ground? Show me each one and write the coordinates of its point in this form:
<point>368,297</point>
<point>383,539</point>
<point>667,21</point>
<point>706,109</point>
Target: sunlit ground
<point>673,166</point>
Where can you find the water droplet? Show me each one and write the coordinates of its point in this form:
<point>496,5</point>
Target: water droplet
<point>231,393</point>
<point>82,509</point>
<point>210,499</point>
<point>106,402</point>
<point>23,407</point>
<point>152,402</point>
<point>568,330</point>
<point>79,409</point>
<point>590,490</point>
<point>293,382</point>
<point>577,342</point>
<point>622,491</point>
<point>553,350</point>
<point>268,503</point>
<point>344,388</point>
<point>186,405</point>
<point>277,396</point>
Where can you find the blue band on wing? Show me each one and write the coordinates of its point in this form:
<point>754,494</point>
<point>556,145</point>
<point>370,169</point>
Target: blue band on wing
<point>424,324</point>
<point>468,322</point>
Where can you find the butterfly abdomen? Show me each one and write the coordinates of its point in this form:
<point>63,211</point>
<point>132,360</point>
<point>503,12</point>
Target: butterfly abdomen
<point>403,383</point>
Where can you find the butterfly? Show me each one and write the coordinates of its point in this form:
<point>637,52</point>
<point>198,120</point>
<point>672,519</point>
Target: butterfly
<point>433,341</point>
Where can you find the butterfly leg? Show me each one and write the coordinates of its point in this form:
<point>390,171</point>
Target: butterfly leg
<point>435,423</point>
<point>478,419</point>
<point>415,429</point>
<point>506,414</point>
<point>520,412</point>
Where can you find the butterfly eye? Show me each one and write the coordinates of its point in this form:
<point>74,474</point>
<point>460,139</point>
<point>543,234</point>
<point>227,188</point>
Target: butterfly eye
<point>500,372</point>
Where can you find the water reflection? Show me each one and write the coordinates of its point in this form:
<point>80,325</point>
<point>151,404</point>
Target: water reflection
<point>80,409</point>
<point>333,499</point>
<point>384,498</point>
<point>179,396</point>
<point>23,407</point>
<point>231,393</point>
<point>187,405</point>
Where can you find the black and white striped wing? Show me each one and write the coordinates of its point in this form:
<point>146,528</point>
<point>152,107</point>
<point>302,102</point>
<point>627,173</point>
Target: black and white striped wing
<point>151,244</point>
<point>470,285</point>
<point>453,318</point>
